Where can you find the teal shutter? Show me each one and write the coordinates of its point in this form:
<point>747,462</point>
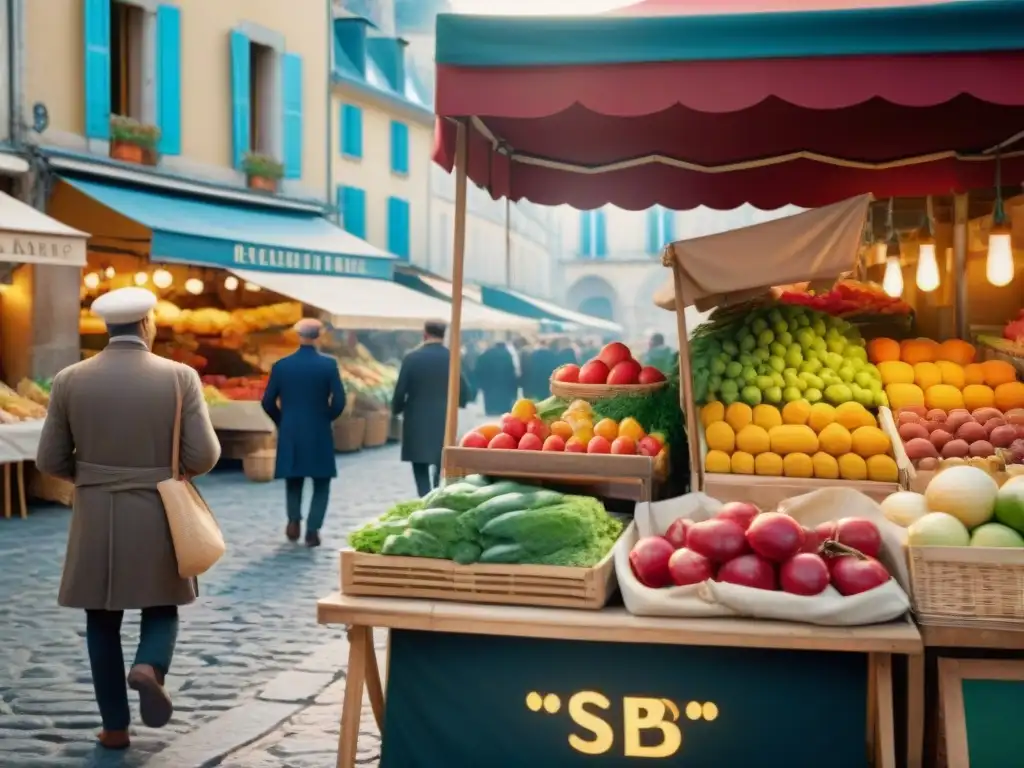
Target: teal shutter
<point>653,219</point>
<point>291,80</point>
<point>586,244</point>
<point>601,225</point>
<point>240,109</point>
<point>97,68</point>
<point>670,227</point>
<point>351,131</point>
<point>398,227</point>
<point>399,147</point>
<point>352,202</point>
<point>168,78</point>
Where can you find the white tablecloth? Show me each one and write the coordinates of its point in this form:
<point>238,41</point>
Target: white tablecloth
<point>19,442</point>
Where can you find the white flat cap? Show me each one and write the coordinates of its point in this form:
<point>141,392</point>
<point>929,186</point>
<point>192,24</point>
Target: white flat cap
<point>125,305</point>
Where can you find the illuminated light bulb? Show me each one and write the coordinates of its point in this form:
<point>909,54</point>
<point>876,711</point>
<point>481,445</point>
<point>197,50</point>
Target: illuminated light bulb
<point>162,278</point>
<point>231,283</point>
<point>252,287</point>
<point>999,264</point>
<point>109,273</point>
<point>927,268</point>
<point>892,282</point>
<point>194,286</point>
<point>141,278</point>
<point>91,281</point>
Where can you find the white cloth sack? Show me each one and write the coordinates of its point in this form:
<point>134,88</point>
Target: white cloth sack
<point>716,599</point>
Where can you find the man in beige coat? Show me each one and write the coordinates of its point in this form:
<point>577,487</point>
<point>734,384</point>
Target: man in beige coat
<point>109,430</point>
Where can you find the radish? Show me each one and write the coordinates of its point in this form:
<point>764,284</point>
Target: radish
<point>775,536</point>
<point>739,512</point>
<point>748,571</point>
<point>676,532</point>
<point>804,574</point>
<point>812,543</point>
<point>688,567</point>
<point>649,561</point>
<point>717,539</point>
<point>860,534</point>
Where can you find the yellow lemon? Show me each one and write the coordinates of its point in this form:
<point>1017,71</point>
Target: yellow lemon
<point>524,409</point>
<point>630,427</point>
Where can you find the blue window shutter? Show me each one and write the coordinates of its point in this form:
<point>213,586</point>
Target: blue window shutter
<point>240,96</point>
<point>291,81</point>
<point>97,68</point>
<point>670,227</point>
<point>586,246</point>
<point>351,131</point>
<point>653,216</point>
<point>353,210</point>
<point>168,78</point>
<point>398,227</point>
<point>601,247</point>
<point>399,147</point>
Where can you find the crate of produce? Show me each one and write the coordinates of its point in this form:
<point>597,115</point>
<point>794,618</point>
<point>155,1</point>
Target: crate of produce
<point>614,371</point>
<point>378,426</point>
<point>349,433</point>
<point>504,542</point>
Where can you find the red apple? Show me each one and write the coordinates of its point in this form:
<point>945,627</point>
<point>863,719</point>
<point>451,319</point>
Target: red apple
<point>851,575</point>
<point>748,571</point>
<point>530,442</point>
<point>473,440</point>
<point>614,353</point>
<point>649,561</point>
<point>649,446</point>
<point>575,445</point>
<point>775,536</point>
<point>626,372</point>
<point>504,441</point>
<point>598,444</point>
<point>554,443</point>
<point>624,446</point>
<point>510,425</point>
<point>718,540</point>
<point>861,534</point>
<point>569,373</point>
<point>826,531</point>
<point>688,567</point>
<point>594,372</point>
<point>677,530</point>
<point>804,574</point>
<point>650,375</point>
<point>740,512</point>
<point>536,426</point>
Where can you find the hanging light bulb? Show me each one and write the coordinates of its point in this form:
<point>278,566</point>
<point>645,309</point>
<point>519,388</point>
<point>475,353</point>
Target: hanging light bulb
<point>162,278</point>
<point>194,286</point>
<point>141,278</point>
<point>92,280</point>
<point>927,267</point>
<point>109,273</point>
<point>252,287</point>
<point>892,282</point>
<point>231,283</point>
<point>999,266</point>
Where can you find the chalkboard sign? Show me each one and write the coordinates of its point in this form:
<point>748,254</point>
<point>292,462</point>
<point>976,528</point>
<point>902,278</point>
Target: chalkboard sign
<point>982,701</point>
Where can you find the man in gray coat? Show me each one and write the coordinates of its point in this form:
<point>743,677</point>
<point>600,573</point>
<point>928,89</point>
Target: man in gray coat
<point>109,429</point>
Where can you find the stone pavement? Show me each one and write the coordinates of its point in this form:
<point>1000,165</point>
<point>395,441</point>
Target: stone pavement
<point>250,654</point>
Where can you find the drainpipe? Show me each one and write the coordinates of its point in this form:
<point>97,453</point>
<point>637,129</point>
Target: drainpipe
<point>16,67</point>
<point>331,198</point>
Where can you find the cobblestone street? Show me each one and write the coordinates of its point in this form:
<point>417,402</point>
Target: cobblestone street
<point>255,620</point>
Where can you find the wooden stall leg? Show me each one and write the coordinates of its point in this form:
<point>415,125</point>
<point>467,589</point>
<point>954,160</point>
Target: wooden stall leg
<point>871,737</point>
<point>915,711</point>
<point>374,688</point>
<point>7,491</point>
<point>359,643</point>
<point>886,728</point>
<point>22,505</point>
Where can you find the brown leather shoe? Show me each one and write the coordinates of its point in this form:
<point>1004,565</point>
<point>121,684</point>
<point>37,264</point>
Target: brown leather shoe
<point>292,531</point>
<point>113,739</point>
<point>155,704</point>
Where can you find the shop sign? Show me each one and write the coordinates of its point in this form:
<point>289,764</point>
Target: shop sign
<point>24,248</point>
<point>282,260</point>
<point>507,702</point>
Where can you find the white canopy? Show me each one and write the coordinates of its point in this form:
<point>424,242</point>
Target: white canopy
<point>29,236</point>
<point>355,302</point>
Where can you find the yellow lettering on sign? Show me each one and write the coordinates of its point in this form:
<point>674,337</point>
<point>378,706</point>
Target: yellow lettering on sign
<point>604,736</point>
<point>647,714</point>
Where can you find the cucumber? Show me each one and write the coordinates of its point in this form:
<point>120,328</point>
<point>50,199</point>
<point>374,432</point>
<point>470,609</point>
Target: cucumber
<point>545,498</point>
<point>499,505</point>
<point>465,552</point>
<point>503,553</point>
<point>442,524</point>
<point>413,543</point>
<point>488,492</point>
<point>541,531</point>
<point>478,480</point>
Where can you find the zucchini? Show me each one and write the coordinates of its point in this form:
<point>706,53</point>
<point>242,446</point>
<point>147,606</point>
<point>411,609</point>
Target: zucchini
<point>499,505</point>
<point>478,480</point>
<point>465,552</point>
<point>488,492</point>
<point>413,543</point>
<point>503,553</point>
<point>545,498</point>
<point>442,524</point>
<point>541,531</point>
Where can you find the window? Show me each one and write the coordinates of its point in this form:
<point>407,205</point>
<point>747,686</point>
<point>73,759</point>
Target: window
<point>352,204</point>
<point>126,42</point>
<point>398,227</point>
<point>262,134</point>
<point>399,148</point>
<point>351,131</point>
<point>593,235</point>
<point>660,228</point>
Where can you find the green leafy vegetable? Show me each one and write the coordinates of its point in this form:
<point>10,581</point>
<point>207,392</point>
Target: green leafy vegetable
<point>413,543</point>
<point>371,537</point>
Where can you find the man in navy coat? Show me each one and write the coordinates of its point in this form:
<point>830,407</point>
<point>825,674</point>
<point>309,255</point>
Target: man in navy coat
<point>421,394</point>
<point>303,397</point>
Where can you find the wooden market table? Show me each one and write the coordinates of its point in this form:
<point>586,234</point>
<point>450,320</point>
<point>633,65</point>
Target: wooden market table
<point>614,625</point>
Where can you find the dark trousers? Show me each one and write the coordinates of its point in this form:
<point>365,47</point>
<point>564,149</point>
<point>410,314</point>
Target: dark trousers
<point>427,477</point>
<point>157,635</point>
<point>317,505</point>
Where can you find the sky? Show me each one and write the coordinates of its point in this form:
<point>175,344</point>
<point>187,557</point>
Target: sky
<point>536,7</point>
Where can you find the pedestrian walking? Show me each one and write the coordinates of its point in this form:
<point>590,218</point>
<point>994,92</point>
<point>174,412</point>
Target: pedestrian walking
<point>303,397</point>
<point>496,377</point>
<point>537,370</point>
<point>109,430</point>
<point>659,355</point>
<point>421,395</point>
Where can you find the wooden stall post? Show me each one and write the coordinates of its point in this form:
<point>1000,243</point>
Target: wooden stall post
<point>960,217</point>
<point>689,408</point>
<point>458,252</point>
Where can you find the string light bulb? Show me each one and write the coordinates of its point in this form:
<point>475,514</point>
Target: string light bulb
<point>109,273</point>
<point>91,281</point>
<point>927,267</point>
<point>999,267</point>
<point>194,286</point>
<point>892,281</point>
<point>231,283</point>
<point>162,278</point>
<point>141,278</point>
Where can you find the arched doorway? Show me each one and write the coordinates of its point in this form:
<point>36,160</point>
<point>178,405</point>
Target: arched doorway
<point>593,295</point>
<point>598,306</point>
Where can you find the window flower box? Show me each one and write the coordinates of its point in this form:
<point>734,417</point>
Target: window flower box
<point>262,172</point>
<point>132,141</point>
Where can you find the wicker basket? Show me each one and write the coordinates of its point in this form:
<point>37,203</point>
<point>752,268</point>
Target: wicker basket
<point>591,392</point>
<point>967,584</point>
<point>349,432</point>
<point>378,426</point>
<point>50,488</point>
<point>259,465</point>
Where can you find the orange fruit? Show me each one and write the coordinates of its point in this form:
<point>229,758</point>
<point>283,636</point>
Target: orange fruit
<point>561,428</point>
<point>630,427</point>
<point>606,428</point>
<point>488,430</point>
<point>524,409</point>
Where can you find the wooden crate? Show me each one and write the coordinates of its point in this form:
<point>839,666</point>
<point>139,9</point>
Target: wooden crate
<point>967,584</point>
<point>551,586</point>
<point>611,477</point>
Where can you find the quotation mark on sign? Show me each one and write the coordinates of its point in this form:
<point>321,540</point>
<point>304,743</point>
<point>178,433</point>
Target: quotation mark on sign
<point>550,703</point>
<point>706,711</point>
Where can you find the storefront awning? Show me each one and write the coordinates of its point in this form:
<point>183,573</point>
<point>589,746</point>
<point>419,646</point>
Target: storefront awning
<point>28,236</point>
<point>472,303</point>
<point>357,303</point>
<point>521,304</point>
<point>191,230</point>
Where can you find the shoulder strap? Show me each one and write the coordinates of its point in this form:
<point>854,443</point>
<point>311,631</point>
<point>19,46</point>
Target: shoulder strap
<point>176,440</point>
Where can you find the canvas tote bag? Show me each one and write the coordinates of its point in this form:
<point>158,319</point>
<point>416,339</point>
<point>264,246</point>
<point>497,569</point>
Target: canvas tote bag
<point>198,541</point>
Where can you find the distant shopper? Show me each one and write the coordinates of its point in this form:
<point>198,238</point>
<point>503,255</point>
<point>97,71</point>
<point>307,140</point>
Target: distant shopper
<point>537,371</point>
<point>496,377</point>
<point>567,353</point>
<point>110,431</point>
<point>421,396</point>
<point>658,355</point>
<point>303,397</point>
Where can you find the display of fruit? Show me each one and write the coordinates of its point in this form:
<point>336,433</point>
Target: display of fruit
<point>800,440</point>
<point>371,381</point>
<point>33,391</point>
<point>15,407</point>
<point>238,387</point>
<point>614,365</point>
<point>849,298</point>
<point>987,438</point>
<point>214,396</point>
<point>771,551</point>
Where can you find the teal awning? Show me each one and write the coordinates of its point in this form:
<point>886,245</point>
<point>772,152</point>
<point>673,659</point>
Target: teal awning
<point>520,304</point>
<point>206,232</point>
